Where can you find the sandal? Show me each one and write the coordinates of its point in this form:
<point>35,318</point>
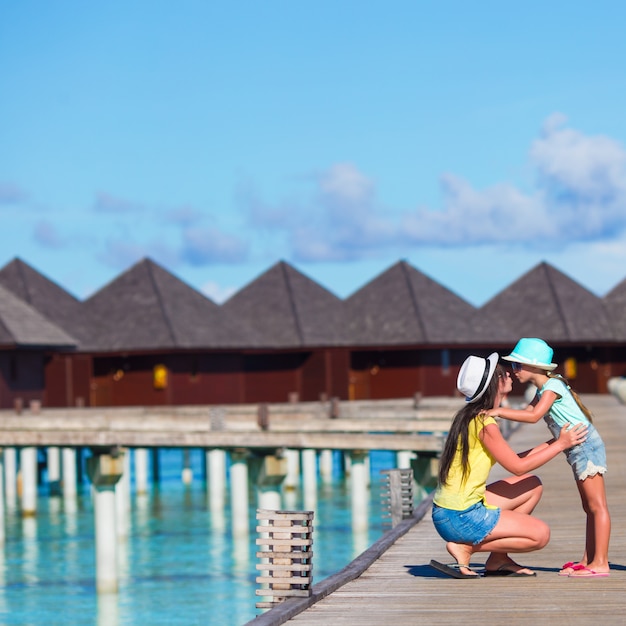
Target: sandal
<point>570,567</point>
<point>454,570</point>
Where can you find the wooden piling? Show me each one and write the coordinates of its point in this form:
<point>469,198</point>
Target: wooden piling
<point>397,494</point>
<point>287,568</point>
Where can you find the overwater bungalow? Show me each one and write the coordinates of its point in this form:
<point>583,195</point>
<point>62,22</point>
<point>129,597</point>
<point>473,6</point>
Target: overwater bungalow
<point>148,338</point>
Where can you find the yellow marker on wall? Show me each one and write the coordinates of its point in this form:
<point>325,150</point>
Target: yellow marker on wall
<point>159,377</point>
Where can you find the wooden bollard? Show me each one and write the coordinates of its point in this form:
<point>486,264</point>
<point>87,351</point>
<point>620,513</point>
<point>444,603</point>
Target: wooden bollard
<point>334,408</point>
<point>287,544</point>
<point>263,416</point>
<point>397,496</point>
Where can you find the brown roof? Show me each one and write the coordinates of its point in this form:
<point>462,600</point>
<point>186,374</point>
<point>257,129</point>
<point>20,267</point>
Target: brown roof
<point>47,297</point>
<point>283,308</point>
<point>615,305</point>
<point>21,325</point>
<point>404,306</point>
<point>546,303</point>
<point>147,308</point>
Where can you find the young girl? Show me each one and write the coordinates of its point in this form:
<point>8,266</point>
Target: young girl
<point>472,516</point>
<point>559,405</point>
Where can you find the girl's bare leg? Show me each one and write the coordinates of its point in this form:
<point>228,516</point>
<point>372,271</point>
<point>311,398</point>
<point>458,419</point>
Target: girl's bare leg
<point>598,529</point>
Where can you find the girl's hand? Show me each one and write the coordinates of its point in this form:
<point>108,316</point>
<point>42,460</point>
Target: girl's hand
<point>572,435</point>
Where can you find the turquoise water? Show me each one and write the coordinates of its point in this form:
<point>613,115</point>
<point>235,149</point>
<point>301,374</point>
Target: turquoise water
<point>179,563</point>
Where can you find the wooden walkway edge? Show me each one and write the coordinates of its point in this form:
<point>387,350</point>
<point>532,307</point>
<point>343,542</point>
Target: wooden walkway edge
<point>399,587</point>
<point>291,608</point>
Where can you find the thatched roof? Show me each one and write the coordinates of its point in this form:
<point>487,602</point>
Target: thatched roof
<point>403,306</point>
<point>23,326</point>
<point>148,308</point>
<point>546,303</point>
<point>283,308</point>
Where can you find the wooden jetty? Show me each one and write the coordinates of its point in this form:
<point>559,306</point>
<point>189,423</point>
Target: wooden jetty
<point>392,582</point>
<point>387,425</point>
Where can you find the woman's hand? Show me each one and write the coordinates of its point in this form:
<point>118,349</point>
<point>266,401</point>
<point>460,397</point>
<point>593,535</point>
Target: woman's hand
<point>572,435</point>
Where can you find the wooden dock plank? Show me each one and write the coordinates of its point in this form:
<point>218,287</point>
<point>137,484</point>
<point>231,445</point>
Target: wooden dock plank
<point>401,589</point>
<point>390,425</point>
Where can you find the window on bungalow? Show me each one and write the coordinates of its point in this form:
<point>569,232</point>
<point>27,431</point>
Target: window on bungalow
<point>13,367</point>
<point>445,362</point>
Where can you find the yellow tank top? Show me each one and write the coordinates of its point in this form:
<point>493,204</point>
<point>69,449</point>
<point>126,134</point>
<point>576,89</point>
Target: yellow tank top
<point>459,494</point>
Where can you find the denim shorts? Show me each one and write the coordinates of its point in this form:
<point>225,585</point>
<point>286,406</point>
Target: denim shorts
<point>587,458</point>
<point>469,526</point>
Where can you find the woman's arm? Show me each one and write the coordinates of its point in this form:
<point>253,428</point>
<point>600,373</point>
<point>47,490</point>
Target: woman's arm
<point>493,440</point>
<point>541,446</point>
<point>531,414</point>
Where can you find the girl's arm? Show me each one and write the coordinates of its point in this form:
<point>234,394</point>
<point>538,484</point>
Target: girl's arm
<point>493,440</point>
<point>531,414</point>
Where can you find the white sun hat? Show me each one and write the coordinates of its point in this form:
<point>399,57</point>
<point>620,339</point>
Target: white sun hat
<point>475,375</point>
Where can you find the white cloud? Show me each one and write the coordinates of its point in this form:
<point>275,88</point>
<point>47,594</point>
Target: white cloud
<point>579,195</point>
<point>121,254</point>
<point>591,166</point>
<point>209,245</point>
<point>217,292</point>
<point>184,216</point>
<point>344,184</point>
<point>46,234</point>
<point>108,203</point>
<point>11,194</point>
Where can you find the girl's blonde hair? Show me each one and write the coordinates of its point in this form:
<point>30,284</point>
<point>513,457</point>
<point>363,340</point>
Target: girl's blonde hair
<point>578,401</point>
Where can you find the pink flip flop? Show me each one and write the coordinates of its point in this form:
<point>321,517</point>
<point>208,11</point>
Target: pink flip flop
<point>585,572</point>
<point>574,567</point>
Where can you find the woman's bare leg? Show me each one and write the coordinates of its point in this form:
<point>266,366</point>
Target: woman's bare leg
<point>514,532</point>
<point>515,493</point>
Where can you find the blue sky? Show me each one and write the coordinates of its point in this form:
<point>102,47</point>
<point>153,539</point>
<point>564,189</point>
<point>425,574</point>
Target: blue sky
<point>471,139</point>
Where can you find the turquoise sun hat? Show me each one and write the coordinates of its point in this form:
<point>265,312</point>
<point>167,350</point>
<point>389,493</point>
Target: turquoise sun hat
<point>532,351</point>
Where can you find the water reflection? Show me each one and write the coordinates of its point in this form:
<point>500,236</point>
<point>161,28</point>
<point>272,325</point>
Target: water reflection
<point>31,549</point>
<point>108,609</point>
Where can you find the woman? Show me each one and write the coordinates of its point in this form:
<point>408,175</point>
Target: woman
<point>468,514</point>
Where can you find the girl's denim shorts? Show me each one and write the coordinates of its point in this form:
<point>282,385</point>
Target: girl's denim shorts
<point>586,459</point>
<point>469,526</point>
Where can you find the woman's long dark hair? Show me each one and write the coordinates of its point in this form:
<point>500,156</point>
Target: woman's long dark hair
<point>459,430</point>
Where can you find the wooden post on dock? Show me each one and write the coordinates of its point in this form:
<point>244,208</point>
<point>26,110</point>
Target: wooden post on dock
<point>216,464</point>
<point>187,475</point>
<point>309,478</point>
<point>326,465</point>
<point>2,521</point>
<point>122,497</point>
<point>397,496</point>
<point>53,463</point>
<point>28,471</point>
<point>141,470</point>
<point>239,491</point>
<point>269,472</point>
<point>104,471</point>
<point>293,469</point>
<point>287,551</point>
<point>68,470</point>
<point>359,488</point>
<point>10,477</point>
